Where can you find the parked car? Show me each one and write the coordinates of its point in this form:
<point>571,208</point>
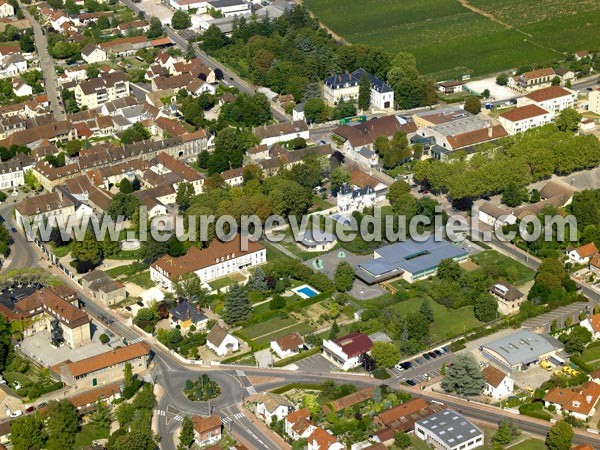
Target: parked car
<point>426,356</point>
<point>16,413</point>
<point>30,409</point>
<point>438,352</point>
<point>42,405</point>
<point>418,361</point>
<point>432,354</point>
<point>411,382</point>
<point>406,365</point>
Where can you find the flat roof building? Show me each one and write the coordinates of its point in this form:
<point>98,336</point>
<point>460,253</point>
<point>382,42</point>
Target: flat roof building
<point>520,350</point>
<point>449,430</point>
<point>411,260</point>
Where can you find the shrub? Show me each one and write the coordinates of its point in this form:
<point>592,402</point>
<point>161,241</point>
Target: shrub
<point>104,338</point>
<point>381,374</point>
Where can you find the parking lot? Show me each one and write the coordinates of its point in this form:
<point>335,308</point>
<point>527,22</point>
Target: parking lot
<point>314,364</point>
<point>156,8</point>
<point>38,347</point>
<point>423,368</point>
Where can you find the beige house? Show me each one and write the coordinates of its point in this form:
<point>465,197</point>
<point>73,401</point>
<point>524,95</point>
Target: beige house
<point>93,54</point>
<point>95,92</point>
<point>509,297</point>
<point>55,310</point>
<point>53,207</point>
<point>207,430</point>
<point>594,101</point>
<point>103,287</point>
<point>106,367</point>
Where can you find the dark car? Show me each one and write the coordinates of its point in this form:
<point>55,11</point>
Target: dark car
<point>13,229</point>
<point>432,354</point>
<point>590,89</point>
<point>406,365</point>
<point>418,361</point>
<point>42,405</point>
<point>30,410</point>
<point>438,352</point>
<point>411,382</point>
<point>426,356</point>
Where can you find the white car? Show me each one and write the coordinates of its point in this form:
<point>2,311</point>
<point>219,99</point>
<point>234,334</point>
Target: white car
<point>16,413</point>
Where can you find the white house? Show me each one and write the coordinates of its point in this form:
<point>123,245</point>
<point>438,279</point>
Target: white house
<point>221,342</point>
<point>230,8</point>
<point>272,407</point>
<point>12,172</point>
<point>288,345</point>
<point>13,65</point>
<point>350,200</point>
<point>581,255</point>
<point>579,402</point>
<point>320,439</point>
<point>346,351</point>
<point>92,54</point>
<point>6,9</point>
<point>553,99</point>
<point>22,89</point>
<point>297,424</point>
<point>53,207</point>
<point>216,261</point>
<point>282,132</point>
<point>524,118</point>
<point>498,385</point>
<point>592,323</point>
<point>449,430</point>
<point>207,430</point>
<point>495,216</point>
<point>346,87</point>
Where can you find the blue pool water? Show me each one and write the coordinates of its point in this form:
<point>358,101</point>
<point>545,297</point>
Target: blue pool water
<point>308,291</point>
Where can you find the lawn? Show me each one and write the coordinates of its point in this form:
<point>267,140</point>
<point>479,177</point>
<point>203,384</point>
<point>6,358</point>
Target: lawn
<point>591,354</point>
<point>89,433</point>
<point>448,37</point>
<point>530,444</point>
<point>221,283</point>
<point>270,329</point>
<point>494,262</point>
<point>116,272</point>
<point>142,279</point>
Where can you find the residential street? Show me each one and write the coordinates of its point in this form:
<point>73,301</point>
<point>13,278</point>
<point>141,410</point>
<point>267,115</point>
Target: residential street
<point>46,66</point>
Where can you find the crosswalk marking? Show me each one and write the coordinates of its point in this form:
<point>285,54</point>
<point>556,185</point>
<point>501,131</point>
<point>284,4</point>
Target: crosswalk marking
<point>161,413</point>
<point>136,340</point>
<point>178,418</point>
<point>236,416</point>
<point>251,390</point>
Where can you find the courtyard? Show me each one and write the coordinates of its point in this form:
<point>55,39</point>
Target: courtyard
<point>38,348</point>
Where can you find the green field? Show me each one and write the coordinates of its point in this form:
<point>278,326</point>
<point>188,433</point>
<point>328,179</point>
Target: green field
<point>450,39</point>
<point>492,262</point>
<point>268,330</point>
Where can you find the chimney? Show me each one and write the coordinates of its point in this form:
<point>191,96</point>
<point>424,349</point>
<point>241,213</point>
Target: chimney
<point>490,131</point>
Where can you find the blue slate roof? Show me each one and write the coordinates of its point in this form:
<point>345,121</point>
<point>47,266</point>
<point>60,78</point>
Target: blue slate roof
<point>412,256</point>
<point>186,311</point>
<point>353,79</point>
<point>376,84</point>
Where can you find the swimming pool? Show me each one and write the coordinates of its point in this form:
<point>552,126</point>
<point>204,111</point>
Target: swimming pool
<point>305,291</point>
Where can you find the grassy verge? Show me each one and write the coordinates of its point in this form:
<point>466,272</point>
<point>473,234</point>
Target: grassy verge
<point>89,433</point>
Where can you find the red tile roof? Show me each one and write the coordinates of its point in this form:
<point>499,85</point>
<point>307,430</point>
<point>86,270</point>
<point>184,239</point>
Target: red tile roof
<point>108,359</point>
<point>524,112</point>
<point>548,93</point>
<point>354,344</point>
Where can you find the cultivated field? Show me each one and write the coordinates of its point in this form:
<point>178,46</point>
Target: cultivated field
<point>451,37</point>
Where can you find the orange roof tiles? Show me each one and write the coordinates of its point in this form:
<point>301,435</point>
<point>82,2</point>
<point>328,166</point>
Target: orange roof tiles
<point>108,359</point>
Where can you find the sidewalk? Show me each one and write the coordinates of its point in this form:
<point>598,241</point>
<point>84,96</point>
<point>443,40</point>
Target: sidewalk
<point>265,429</point>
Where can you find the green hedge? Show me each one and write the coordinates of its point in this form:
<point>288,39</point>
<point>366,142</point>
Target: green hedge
<point>298,357</point>
<point>381,374</point>
<point>579,362</point>
<point>535,410</point>
<point>303,386</point>
<point>237,357</point>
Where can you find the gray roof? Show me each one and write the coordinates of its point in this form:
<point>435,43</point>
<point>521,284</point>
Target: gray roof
<point>186,311</point>
<point>225,3</point>
<point>450,427</point>
<point>313,237</point>
<point>465,125</point>
<point>522,347</point>
<point>411,256</point>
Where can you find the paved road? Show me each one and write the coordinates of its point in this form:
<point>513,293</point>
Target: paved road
<point>46,66</point>
<point>22,254</point>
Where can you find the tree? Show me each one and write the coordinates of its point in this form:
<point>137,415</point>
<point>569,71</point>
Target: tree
<point>464,377</point>
<point>556,81</point>
<point>61,424</point>
<point>513,195</point>
<point>26,43</point>
<point>576,340</point>
<point>27,433</point>
<point>473,105</point>
<point>73,147</point>
<point>344,276</point>
<point>257,281</point>
<point>139,438</point>
<point>181,20</point>
<point>190,53</point>
<point>203,159</point>
<point>135,133</point>
<point>185,193</point>
<point>502,79</point>
<point>338,177</point>
<point>237,305</point>
<point>155,29</point>
<point>560,436</point>
<point>385,354</point>
<point>213,39</point>
<point>104,338</point>
<point>125,186</point>
<point>102,415</point>
<point>427,311</point>
<point>364,92</point>
<point>402,440</point>
<point>186,437</point>
<point>315,110</point>
<point>344,109</point>
<point>506,433</point>
<point>103,23</point>
<point>122,205</point>
<point>333,331</point>
<point>486,307</point>
<point>31,180</point>
<point>449,270</point>
<point>568,120</point>
<point>87,249</point>
<point>277,302</point>
<point>486,93</point>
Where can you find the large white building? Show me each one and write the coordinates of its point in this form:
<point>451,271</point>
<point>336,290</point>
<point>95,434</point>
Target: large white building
<point>216,261</point>
<point>96,92</point>
<point>346,87</point>
<point>524,118</point>
<point>282,132</point>
<point>594,101</point>
<point>350,200</point>
<point>553,99</point>
<point>54,208</point>
<point>449,430</point>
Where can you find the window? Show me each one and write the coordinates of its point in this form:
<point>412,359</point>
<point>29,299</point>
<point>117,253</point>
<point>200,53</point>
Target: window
<point>95,382</point>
